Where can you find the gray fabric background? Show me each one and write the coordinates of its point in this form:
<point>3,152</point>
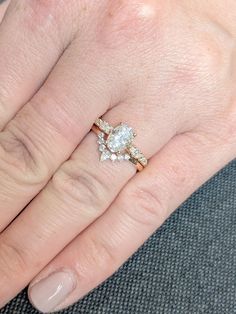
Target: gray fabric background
<point>187,267</point>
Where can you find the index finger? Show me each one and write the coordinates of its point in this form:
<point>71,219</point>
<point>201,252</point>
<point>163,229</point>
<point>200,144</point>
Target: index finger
<point>32,38</point>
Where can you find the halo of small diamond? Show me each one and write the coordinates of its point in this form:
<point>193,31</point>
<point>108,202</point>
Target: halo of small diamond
<point>115,144</point>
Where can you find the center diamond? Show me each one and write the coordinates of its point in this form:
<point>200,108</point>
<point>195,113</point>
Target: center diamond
<point>120,137</point>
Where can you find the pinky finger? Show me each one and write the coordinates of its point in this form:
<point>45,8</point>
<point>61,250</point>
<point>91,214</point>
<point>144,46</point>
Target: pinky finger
<point>143,205</point>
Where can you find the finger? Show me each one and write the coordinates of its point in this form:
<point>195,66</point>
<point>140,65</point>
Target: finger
<point>148,199</point>
<point>78,193</point>
<point>32,38</point>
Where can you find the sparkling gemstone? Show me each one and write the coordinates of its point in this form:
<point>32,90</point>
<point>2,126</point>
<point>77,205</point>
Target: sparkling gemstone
<point>127,157</point>
<point>105,155</point>
<point>120,137</point>
<point>101,138</point>
<point>135,152</point>
<point>104,126</point>
<point>120,157</point>
<point>101,135</point>
<point>102,147</point>
<point>143,160</point>
<point>113,157</point>
<point>101,141</point>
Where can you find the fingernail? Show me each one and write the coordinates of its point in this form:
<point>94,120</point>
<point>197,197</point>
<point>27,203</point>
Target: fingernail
<point>51,291</point>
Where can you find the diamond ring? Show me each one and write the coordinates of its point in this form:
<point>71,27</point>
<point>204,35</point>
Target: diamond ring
<point>116,143</point>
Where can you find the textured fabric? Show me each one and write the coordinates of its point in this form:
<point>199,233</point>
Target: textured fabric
<point>187,267</point>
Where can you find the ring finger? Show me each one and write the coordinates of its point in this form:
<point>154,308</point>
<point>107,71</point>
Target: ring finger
<point>46,130</point>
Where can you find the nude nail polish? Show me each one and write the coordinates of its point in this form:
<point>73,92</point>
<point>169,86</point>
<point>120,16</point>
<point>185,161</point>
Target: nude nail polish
<point>51,291</point>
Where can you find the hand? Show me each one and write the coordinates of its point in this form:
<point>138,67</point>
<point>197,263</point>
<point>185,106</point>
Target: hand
<point>167,68</point>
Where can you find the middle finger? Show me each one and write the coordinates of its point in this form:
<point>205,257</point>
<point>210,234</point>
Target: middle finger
<point>47,130</point>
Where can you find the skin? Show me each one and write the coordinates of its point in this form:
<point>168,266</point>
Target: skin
<point>167,68</point>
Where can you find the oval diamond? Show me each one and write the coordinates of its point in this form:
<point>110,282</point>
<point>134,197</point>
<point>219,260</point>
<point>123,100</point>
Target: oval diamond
<point>120,137</point>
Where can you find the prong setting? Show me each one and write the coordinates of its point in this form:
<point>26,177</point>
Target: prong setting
<point>116,143</point>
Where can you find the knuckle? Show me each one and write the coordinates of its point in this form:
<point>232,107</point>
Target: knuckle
<point>100,254</point>
<point>47,17</point>
<point>20,157</point>
<point>211,56</point>
<point>218,136</point>
<point>202,60</point>
<point>77,184</point>
<point>129,20</point>
<point>198,67</point>
<point>13,260</point>
<point>148,205</point>
<point>35,11</point>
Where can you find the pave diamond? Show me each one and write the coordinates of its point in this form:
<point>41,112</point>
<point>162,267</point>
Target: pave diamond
<point>143,161</point>
<point>105,155</point>
<point>102,147</point>
<point>101,141</point>
<point>101,135</point>
<point>120,157</point>
<point>135,152</point>
<point>119,138</point>
<point>104,126</point>
<point>113,157</point>
<point>127,157</point>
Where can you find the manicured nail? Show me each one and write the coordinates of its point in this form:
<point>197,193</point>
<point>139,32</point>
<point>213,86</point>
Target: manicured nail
<point>51,291</point>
